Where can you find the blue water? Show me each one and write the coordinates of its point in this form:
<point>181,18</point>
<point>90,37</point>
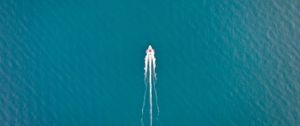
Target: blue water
<point>80,63</point>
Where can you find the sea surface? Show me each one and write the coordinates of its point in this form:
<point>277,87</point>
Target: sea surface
<point>81,63</point>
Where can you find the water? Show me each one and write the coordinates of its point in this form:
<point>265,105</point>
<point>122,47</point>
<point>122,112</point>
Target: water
<point>73,63</point>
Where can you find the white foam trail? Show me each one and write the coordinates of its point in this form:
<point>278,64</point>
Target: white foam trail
<point>150,66</point>
<point>150,89</point>
<point>146,66</point>
<point>154,66</point>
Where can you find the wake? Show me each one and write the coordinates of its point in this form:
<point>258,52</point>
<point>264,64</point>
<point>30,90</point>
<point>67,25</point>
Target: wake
<point>149,76</point>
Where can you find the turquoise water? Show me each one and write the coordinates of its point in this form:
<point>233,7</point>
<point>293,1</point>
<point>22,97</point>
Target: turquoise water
<point>219,63</point>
